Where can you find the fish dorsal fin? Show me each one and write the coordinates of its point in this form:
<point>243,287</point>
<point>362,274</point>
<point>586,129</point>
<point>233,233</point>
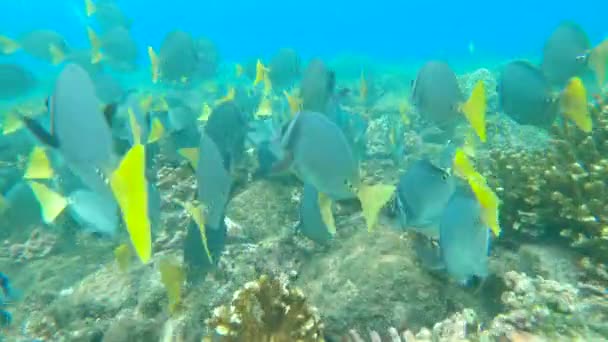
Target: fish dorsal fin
<point>38,166</point>
<point>130,188</point>
<point>51,203</point>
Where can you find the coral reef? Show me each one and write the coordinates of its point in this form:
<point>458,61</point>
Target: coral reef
<point>267,310</point>
<point>558,191</point>
<point>40,244</point>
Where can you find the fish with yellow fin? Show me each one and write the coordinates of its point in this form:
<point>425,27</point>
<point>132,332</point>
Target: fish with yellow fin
<point>475,110</point>
<point>230,96</point>
<point>43,44</point>
<point>154,65</point>
<point>261,73</point>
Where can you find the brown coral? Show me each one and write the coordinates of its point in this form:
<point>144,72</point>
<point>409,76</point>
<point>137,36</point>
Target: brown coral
<point>560,191</point>
<point>267,310</point>
<point>39,245</point>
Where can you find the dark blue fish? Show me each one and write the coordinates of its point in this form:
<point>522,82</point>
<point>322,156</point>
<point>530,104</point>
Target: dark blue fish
<point>311,222</point>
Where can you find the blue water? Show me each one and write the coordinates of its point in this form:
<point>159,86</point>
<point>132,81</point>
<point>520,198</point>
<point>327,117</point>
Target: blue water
<point>387,30</point>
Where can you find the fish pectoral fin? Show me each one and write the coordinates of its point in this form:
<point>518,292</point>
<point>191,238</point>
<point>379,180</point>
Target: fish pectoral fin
<point>39,132</point>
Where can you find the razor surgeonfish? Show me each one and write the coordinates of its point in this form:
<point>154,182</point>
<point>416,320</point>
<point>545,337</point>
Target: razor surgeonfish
<point>15,81</point>
<point>422,194</point>
<point>177,57</point>
<point>116,48</point>
<point>320,155</point>
<point>437,94</point>
<point>214,182</point>
<point>317,87</point>
<point>564,54</point>
<point>284,68</point>
<point>228,126</point>
<point>464,239</point>
<point>43,44</point>
<point>525,95</point>
<point>107,14</point>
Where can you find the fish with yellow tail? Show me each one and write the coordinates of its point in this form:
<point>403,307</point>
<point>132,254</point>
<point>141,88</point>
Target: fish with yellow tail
<point>475,110</point>
<point>172,276</point>
<point>96,55</point>
<point>261,73</point>
<point>42,44</point>
<point>317,148</point>
<point>230,96</point>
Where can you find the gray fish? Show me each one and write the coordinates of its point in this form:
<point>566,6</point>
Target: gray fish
<point>284,68</point>
<point>320,155</point>
<point>436,94</point>
<point>83,58</point>
<point>109,15</point>
<point>94,212</point>
<point>317,87</point>
<point>525,95</point>
<point>108,89</point>
<point>39,43</point>
<point>207,56</point>
<point>15,81</point>
<point>311,222</point>
<point>214,182</point>
<point>422,194</point>
<point>564,54</point>
<point>463,238</point>
<point>82,136</point>
<point>227,126</point>
<point>177,57</point>
<point>119,49</point>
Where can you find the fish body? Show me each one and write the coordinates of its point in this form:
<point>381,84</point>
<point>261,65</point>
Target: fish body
<point>436,94</point>
<point>284,68</point>
<point>422,194</point>
<point>214,182</point>
<point>317,87</point>
<point>463,238</point>
<point>525,94</point>
<point>178,57</point>
<point>46,45</point>
<point>321,156</point>
<point>564,54</point>
<point>15,81</point>
<point>227,126</point>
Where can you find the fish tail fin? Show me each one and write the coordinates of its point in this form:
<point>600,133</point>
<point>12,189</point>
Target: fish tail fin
<point>51,203</point>
<point>260,73</point>
<point>11,123</point>
<point>475,110</point>
<point>8,46</point>
<point>39,166</point>
<point>154,64</point>
<point>96,55</point>
<point>57,55</point>
<point>373,198</point>
<point>191,154</point>
<point>265,108</point>
<point>157,131</point>
<point>573,102</point>
<point>128,183</point>
<point>205,112</point>
<point>597,60</point>
<point>90,7</point>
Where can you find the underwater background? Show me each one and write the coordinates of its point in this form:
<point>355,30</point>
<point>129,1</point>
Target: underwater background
<point>267,171</point>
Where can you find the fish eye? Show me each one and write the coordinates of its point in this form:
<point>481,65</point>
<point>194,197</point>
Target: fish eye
<point>444,176</point>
